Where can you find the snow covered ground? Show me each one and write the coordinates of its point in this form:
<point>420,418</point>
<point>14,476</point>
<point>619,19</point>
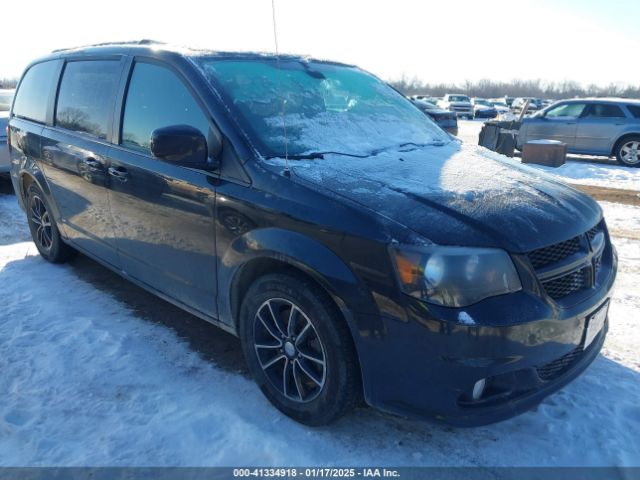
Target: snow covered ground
<point>579,169</point>
<point>87,381</point>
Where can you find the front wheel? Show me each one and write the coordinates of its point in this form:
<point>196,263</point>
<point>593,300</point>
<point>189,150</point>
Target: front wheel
<point>44,229</point>
<point>299,349</point>
<point>628,151</point>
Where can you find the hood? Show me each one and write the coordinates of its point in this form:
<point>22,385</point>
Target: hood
<point>457,195</point>
<point>460,104</point>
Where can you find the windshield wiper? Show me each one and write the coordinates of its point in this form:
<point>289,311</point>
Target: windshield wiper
<point>316,155</point>
<point>321,155</point>
<point>435,143</point>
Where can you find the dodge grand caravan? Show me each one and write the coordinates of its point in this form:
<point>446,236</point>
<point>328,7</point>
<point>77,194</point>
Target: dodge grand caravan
<point>310,209</point>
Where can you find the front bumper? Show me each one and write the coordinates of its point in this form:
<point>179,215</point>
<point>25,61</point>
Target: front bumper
<point>463,113</point>
<point>424,366</point>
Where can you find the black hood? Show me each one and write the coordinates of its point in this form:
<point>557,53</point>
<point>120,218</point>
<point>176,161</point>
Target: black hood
<point>455,195</point>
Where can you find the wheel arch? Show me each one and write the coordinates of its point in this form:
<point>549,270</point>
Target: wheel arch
<point>271,249</point>
<point>319,265</point>
<point>621,139</point>
<point>26,178</point>
<point>259,266</point>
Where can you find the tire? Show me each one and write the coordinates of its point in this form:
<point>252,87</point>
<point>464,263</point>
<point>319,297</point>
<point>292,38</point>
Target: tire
<point>627,151</point>
<point>43,227</point>
<point>313,392</point>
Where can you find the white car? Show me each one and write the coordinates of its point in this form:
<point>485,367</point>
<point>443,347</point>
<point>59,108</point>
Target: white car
<point>458,103</point>
<point>501,107</point>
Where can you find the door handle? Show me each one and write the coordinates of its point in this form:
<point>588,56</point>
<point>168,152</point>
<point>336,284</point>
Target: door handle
<point>119,172</point>
<point>92,164</point>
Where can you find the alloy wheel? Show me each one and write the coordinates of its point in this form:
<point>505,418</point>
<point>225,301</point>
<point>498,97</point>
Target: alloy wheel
<point>42,222</point>
<point>630,152</point>
<point>289,350</point>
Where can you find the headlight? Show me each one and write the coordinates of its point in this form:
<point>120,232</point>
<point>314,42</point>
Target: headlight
<point>455,276</point>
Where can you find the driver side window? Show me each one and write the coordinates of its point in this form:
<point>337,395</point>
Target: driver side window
<point>566,110</point>
<point>157,98</point>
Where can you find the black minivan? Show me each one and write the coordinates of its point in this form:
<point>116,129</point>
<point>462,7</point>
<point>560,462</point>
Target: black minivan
<point>357,250</point>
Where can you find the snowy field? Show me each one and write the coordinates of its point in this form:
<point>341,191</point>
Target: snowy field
<point>579,169</point>
<point>88,381</point>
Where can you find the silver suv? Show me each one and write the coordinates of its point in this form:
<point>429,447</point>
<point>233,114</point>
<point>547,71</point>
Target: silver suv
<point>458,103</point>
<point>590,126</point>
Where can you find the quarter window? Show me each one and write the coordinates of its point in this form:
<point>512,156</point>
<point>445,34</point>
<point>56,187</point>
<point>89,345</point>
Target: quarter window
<point>603,110</point>
<point>157,98</point>
<point>34,92</point>
<point>571,110</point>
<point>635,110</point>
<point>86,97</point>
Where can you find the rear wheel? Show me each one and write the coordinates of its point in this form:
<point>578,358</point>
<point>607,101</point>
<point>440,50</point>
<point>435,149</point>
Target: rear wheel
<point>628,151</point>
<point>44,229</point>
<point>299,349</point>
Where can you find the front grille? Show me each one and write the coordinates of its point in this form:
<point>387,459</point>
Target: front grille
<point>572,280</point>
<point>565,285</point>
<point>553,370</point>
<point>547,255</point>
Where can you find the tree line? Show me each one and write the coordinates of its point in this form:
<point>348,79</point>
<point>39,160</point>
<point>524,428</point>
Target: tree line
<point>8,82</point>
<point>515,88</point>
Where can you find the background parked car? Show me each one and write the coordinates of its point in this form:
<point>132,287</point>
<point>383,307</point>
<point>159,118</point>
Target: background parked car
<point>500,106</point>
<point>483,108</point>
<point>424,98</point>
<point>457,102</point>
<point>4,150</point>
<point>6,96</point>
<point>447,120</point>
<point>518,104</point>
<point>597,126</point>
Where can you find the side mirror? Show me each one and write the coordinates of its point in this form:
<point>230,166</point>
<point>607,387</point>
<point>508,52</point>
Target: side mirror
<point>180,144</point>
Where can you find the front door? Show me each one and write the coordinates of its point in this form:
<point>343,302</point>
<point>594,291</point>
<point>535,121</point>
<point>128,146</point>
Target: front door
<point>163,213</point>
<point>559,123</point>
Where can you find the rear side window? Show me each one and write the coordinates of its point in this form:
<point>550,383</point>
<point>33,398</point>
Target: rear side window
<point>87,95</point>
<point>635,110</point>
<point>603,110</point>
<point>32,98</point>
<point>157,98</point>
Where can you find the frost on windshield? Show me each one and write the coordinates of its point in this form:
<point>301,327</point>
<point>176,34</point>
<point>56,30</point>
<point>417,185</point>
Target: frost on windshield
<point>308,107</point>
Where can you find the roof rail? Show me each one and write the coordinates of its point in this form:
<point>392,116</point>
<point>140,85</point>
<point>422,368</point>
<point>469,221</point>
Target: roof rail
<point>144,41</point>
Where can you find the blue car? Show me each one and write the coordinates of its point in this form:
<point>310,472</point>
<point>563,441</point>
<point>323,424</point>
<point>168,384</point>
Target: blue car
<point>592,126</point>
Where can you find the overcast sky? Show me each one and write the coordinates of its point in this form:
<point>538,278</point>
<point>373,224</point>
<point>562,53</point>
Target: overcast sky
<point>438,41</point>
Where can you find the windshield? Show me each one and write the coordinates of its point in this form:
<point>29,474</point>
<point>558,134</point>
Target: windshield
<point>327,107</point>
<point>5,100</point>
<point>458,98</point>
<point>482,102</point>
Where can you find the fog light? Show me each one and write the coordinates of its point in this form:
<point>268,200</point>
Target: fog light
<point>478,389</point>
